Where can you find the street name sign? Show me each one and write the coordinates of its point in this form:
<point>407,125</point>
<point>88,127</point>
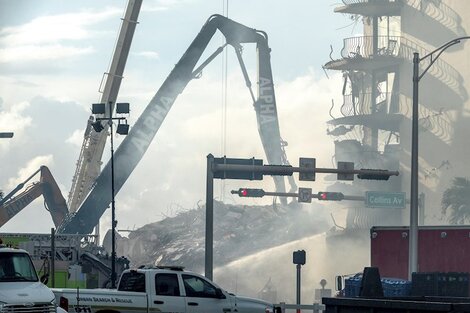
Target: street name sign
<point>385,200</point>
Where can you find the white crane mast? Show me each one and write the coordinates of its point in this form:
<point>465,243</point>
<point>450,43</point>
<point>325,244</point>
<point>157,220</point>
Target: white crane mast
<point>89,162</point>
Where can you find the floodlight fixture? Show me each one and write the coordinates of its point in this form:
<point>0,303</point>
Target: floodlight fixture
<point>122,108</point>
<point>122,129</point>
<point>97,126</point>
<point>98,108</point>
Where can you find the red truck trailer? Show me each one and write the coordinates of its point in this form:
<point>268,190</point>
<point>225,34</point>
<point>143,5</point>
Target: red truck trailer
<point>440,249</point>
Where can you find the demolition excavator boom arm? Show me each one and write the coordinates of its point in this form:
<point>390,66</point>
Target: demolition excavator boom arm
<point>133,147</point>
<point>55,203</point>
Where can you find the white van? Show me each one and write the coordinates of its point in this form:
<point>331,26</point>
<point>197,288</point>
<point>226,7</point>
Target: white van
<point>20,288</point>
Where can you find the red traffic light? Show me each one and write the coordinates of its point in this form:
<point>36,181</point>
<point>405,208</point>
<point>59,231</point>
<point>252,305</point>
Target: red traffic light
<point>250,192</point>
<point>331,196</point>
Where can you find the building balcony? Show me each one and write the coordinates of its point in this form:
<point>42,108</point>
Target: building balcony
<point>371,7</point>
<point>360,110</point>
<point>358,54</point>
<point>431,12</point>
<point>361,104</point>
<point>391,110</point>
<point>387,122</point>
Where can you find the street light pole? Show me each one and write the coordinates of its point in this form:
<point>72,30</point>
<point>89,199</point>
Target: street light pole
<point>113,207</point>
<point>413,241</point>
<point>122,129</point>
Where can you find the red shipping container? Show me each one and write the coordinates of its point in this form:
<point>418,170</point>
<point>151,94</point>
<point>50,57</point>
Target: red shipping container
<point>440,249</point>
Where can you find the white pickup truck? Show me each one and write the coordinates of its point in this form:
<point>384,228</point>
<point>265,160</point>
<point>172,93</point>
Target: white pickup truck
<point>159,289</point>
<point>20,289</point>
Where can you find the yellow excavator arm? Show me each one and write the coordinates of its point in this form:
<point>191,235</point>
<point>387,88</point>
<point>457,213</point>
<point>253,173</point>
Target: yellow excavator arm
<point>55,203</point>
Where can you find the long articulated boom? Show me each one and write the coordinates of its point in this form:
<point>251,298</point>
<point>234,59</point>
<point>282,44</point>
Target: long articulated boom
<point>133,147</point>
<point>47,186</point>
<point>89,161</point>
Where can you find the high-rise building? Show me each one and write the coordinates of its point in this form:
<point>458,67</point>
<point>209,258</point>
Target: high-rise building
<point>374,130</point>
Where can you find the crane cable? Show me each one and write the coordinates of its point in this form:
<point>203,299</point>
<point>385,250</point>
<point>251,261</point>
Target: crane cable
<point>223,126</point>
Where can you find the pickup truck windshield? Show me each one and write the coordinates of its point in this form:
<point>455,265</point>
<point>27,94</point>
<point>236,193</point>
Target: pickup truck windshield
<point>16,267</point>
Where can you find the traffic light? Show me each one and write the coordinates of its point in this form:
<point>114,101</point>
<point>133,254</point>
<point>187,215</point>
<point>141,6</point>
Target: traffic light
<point>241,174</point>
<point>331,196</point>
<point>375,175</point>
<point>250,192</point>
<point>299,257</point>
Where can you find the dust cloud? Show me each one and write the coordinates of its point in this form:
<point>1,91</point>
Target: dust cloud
<point>326,257</point>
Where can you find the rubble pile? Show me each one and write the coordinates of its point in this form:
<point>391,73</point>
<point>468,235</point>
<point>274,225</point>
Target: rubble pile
<point>238,231</point>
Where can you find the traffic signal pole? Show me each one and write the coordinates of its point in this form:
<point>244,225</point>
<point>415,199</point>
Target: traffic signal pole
<point>281,194</point>
<point>264,193</point>
<point>297,195</point>
<point>252,169</point>
<point>208,266</point>
<point>289,170</point>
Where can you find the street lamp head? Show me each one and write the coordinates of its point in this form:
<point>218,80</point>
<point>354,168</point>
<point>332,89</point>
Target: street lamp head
<point>97,126</point>
<point>122,129</point>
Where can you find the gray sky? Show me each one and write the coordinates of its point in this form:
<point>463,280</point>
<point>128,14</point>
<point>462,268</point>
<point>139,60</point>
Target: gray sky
<point>53,55</point>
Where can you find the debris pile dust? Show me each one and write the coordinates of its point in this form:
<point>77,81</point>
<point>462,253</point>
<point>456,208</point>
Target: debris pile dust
<point>327,256</point>
<point>253,247</point>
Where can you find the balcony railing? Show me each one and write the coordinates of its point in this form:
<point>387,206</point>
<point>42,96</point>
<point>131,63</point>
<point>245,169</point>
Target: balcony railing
<point>362,103</point>
<point>353,106</point>
<point>361,47</point>
<point>438,123</point>
<point>441,70</point>
<point>436,10</point>
<point>440,12</point>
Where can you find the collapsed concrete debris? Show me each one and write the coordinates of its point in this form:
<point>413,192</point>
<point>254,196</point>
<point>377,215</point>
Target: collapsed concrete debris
<point>238,231</point>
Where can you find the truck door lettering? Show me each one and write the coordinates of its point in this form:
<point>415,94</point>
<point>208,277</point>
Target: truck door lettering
<point>123,300</point>
<point>82,309</point>
<point>96,299</point>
